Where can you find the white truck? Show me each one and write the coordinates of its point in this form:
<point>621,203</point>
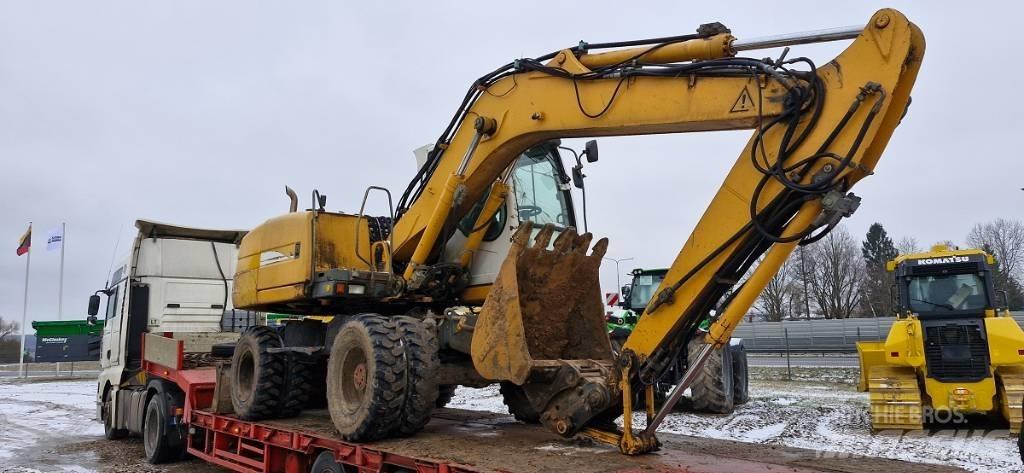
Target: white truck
<point>175,281</point>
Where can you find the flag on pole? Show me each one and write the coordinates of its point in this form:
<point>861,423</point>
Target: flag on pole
<point>55,239</point>
<point>26,241</point>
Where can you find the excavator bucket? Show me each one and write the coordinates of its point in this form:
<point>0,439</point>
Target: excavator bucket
<point>545,305</point>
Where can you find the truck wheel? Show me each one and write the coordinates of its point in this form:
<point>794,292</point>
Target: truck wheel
<point>325,463</point>
<point>157,439</point>
<point>445,393</point>
<point>366,378</point>
<point>740,375</point>
<point>298,386</point>
<point>712,390</point>
<point>421,368</point>
<point>518,405</point>
<point>109,432</point>
<point>257,376</point>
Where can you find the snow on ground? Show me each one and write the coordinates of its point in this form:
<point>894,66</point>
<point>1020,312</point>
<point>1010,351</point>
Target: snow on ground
<point>43,415</point>
<point>829,418</point>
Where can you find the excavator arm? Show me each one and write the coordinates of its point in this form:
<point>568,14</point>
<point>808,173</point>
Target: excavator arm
<point>818,130</point>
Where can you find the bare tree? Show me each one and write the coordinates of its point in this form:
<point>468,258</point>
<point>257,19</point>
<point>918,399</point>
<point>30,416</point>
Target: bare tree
<point>776,299</point>
<point>838,274</point>
<point>1006,240</point>
<point>908,245</point>
<point>7,328</point>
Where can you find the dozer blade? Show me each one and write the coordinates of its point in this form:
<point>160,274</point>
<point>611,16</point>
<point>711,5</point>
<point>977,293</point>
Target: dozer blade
<point>545,305</point>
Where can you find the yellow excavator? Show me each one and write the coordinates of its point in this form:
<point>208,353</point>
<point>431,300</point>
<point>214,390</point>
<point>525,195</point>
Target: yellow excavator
<point>478,275</point>
<point>953,351</point>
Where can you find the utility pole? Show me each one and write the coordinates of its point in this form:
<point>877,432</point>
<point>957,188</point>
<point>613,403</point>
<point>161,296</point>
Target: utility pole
<point>24,306</point>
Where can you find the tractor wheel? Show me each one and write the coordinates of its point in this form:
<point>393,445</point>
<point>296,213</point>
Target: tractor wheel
<point>518,405</point>
<point>422,363</point>
<point>740,375</point>
<point>298,386</point>
<point>257,376</point>
<point>445,393</point>
<point>712,391</point>
<point>161,445</point>
<point>366,378</point>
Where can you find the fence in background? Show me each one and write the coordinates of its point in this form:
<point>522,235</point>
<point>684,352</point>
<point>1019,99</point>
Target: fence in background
<point>817,335</point>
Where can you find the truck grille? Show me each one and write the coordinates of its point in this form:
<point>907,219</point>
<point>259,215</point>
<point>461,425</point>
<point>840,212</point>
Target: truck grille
<point>956,351</point>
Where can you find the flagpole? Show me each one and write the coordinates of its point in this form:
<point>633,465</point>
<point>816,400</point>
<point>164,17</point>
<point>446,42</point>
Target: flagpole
<point>60,280</point>
<point>24,306</point>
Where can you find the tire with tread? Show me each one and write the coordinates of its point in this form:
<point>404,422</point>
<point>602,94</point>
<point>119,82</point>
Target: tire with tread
<point>298,386</point>
<point>109,432</point>
<point>372,409</point>
<point>712,390</point>
<point>257,376</point>
<point>740,375</point>
<point>445,393</point>
<point>422,364</point>
<point>325,463</point>
<point>159,443</point>
<point>518,404</point>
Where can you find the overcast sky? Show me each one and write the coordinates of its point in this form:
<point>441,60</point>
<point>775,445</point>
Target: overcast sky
<point>198,113</point>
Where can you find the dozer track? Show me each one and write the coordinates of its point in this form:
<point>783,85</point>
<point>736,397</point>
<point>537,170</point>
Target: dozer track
<point>895,398</point>
<point>1011,394</point>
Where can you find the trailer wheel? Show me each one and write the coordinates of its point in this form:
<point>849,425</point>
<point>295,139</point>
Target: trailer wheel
<point>325,463</point>
<point>712,391</point>
<point>422,363</point>
<point>257,376</point>
<point>109,432</point>
<point>445,393</point>
<point>298,386</point>
<point>518,404</point>
<point>159,445</point>
<point>740,375</point>
<point>366,378</point>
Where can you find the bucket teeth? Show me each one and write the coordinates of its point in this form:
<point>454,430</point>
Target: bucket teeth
<point>545,304</point>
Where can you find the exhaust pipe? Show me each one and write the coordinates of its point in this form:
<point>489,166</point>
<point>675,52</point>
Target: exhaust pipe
<point>294,198</point>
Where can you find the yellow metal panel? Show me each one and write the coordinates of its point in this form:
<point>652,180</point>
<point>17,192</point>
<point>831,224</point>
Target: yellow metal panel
<point>871,354</point>
<point>1005,341</point>
<point>907,339</point>
<point>979,397</point>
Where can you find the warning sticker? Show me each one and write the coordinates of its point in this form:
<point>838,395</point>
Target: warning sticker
<point>743,103</point>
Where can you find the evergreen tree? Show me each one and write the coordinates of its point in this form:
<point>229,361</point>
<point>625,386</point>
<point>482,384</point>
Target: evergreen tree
<point>877,249</point>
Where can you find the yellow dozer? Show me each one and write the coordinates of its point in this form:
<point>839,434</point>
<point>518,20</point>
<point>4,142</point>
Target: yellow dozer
<point>952,351</point>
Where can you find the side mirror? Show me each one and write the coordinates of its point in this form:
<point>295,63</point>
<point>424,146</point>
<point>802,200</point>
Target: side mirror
<point>626,291</point>
<point>577,176</point>
<point>1003,299</point>
<point>590,149</point>
<point>94,304</point>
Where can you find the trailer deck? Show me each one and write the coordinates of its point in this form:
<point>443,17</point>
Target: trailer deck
<point>473,441</point>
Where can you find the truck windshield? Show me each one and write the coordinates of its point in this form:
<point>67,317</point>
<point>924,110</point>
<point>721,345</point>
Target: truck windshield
<point>540,197</point>
<point>644,286</point>
<point>947,293</point>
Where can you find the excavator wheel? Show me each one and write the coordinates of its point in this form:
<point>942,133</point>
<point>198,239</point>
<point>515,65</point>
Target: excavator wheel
<point>366,378</point>
<point>298,386</point>
<point>517,403</point>
<point>422,363</point>
<point>257,376</point>
<point>712,390</point>
<point>445,393</point>
<point>740,375</point>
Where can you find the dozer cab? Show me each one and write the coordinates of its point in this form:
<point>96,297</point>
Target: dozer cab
<point>477,274</point>
<point>953,351</point>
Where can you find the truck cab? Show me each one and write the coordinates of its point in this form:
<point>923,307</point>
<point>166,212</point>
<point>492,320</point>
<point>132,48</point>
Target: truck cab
<point>175,281</point>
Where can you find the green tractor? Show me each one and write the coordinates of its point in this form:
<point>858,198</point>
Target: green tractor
<point>722,383</point>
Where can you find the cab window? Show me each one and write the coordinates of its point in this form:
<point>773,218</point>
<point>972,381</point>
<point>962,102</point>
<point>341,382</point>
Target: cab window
<point>112,302</point>
<point>541,196</point>
<point>947,293</point>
